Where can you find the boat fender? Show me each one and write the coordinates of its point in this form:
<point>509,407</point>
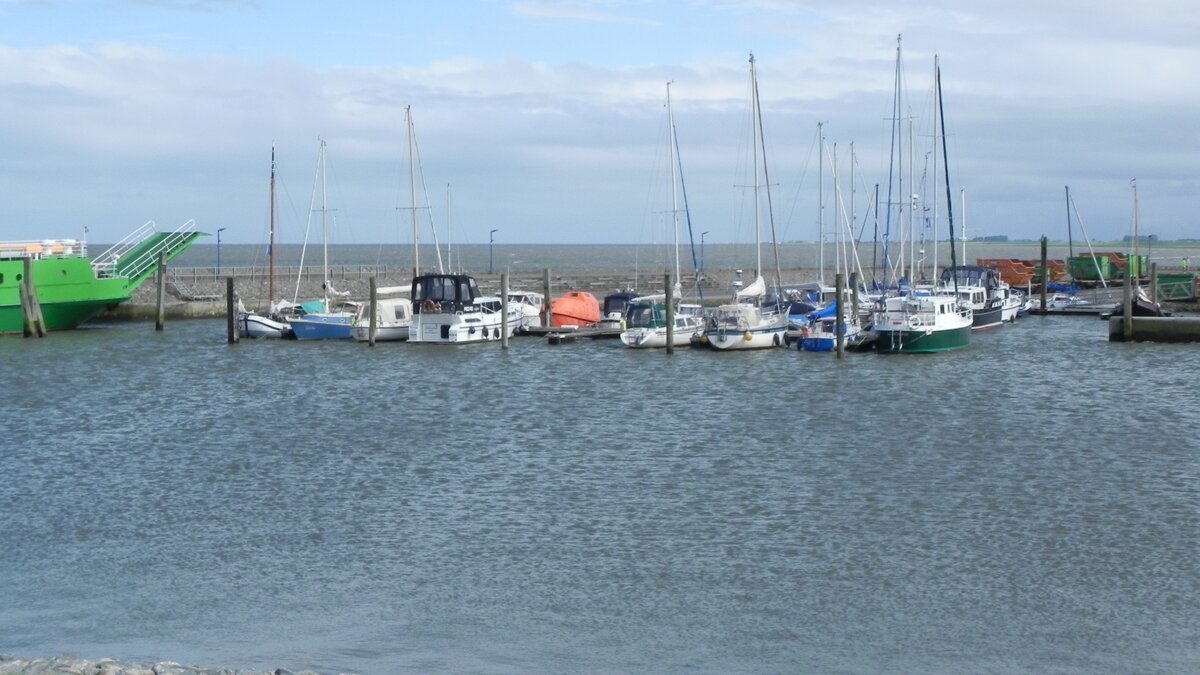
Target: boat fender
<point>775,340</point>
<point>747,336</point>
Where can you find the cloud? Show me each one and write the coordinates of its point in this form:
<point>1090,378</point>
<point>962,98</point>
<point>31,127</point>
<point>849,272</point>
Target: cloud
<point>562,149</point>
<point>585,11</point>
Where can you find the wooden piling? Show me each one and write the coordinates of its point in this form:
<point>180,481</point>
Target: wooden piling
<point>1045,274</point>
<point>504,310</point>
<point>548,312</point>
<point>854,295</point>
<point>34,323</point>
<point>373,295</point>
<point>839,325</point>
<point>1154,282</point>
<point>1127,306</point>
<point>160,291</point>
<point>670,288</point>
<point>231,328</point>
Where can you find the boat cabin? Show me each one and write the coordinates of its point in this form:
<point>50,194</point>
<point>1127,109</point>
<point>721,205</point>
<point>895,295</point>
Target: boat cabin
<point>443,293</point>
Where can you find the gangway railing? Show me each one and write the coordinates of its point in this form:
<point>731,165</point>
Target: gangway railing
<point>114,262</point>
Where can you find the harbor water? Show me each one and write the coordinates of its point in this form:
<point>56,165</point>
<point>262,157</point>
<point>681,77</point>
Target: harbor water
<point>1028,504</point>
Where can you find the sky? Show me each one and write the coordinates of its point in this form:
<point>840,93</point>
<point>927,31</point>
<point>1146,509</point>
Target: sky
<point>547,121</point>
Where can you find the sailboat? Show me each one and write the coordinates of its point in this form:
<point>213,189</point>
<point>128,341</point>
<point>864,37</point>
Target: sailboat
<point>449,308</point>
<point>272,325</point>
<point>393,316</point>
<point>745,322</point>
<point>819,329</point>
<point>334,318</point>
<point>926,320</point>
<point>393,305</point>
<point>645,323</point>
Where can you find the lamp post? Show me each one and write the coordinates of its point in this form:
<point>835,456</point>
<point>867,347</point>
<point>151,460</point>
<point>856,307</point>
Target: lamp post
<point>491,241</point>
<point>702,252</point>
<point>219,231</point>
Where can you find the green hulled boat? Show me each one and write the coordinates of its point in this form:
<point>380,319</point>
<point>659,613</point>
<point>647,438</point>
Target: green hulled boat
<point>70,287</point>
<point>922,324</point>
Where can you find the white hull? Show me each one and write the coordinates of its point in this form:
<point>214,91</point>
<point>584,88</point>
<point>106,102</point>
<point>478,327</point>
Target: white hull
<point>648,338</point>
<point>393,317</point>
<point>746,326</point>
<point>461,328</point>
<point>732,339</point>
<point>361,332</point>
<point>530,305</point>
<point>257,326</point>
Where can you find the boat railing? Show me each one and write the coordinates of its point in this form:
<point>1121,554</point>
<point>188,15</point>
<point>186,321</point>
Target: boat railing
<point>106,263</point>
<point>42,249</point>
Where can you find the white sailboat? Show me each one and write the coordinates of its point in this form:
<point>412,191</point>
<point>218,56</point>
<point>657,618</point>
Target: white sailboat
<point>745,323</point>
<point>393,316</point>
<point>336,315</point>
<point>645,320</point>
<point>271,325</point>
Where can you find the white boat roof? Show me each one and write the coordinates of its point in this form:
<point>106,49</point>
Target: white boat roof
<point>393,290</point>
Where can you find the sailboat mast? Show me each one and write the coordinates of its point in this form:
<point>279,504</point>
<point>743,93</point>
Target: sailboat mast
<point>324,231</point>
<point>271,236</point>
<point>837,231</point>
<point>1070,243</point>
<point>821,201</point>
<point>1136,260</point>
<point>754,147</point>
<point>962,202</point>
<point>766,184</point>
<point>893,163</point>
<point>412,187</point>
<point>674,181</point>
<point>946,169</point>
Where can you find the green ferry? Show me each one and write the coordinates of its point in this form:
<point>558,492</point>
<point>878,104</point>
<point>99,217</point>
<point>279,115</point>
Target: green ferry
<point>70,287</point>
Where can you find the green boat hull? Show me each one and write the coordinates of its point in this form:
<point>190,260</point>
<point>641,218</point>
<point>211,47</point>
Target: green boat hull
<point>920,342</point>
<point>67,290</point>
<point>68,286</point>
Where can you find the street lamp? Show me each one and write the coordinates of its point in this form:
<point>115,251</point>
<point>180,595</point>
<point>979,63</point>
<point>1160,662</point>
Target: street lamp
<point>702,251</point>
<point>491,241</point>
<point>219,231</point>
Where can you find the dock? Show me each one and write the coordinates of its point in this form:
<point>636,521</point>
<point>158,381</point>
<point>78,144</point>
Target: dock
<point>1156,329</point>
<point>562,334</point>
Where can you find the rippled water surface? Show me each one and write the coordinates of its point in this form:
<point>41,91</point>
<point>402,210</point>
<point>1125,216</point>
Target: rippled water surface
<point>1029,504</point>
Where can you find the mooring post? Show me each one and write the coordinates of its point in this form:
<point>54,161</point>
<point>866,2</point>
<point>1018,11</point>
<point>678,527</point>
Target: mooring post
<point>160,314</point>
<point>839,324</point>
<point>34,323</point>
<point>854,296</point>
<point>547,313</point>
<point>231,330</point>
<point>504,310</point>
<point>1127,306</point>
<point>373,293</point>
<point>1045,274</point>
<point>670,313</point>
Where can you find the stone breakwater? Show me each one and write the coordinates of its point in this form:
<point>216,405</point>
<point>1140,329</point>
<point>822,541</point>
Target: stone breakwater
<point>187,295</point>
<point>63,665</point>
